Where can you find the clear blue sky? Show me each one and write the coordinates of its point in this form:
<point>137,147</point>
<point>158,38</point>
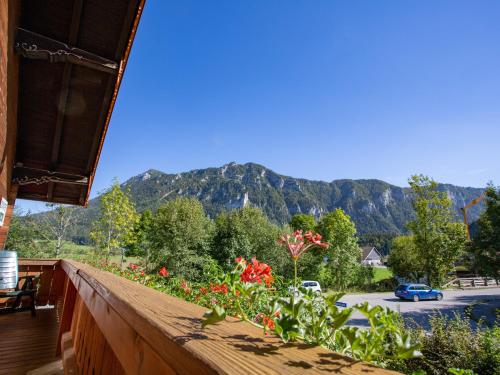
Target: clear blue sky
<point>314,89</point>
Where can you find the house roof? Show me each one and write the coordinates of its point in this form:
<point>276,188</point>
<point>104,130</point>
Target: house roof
<point>366,250</point>
<point>73,56</point>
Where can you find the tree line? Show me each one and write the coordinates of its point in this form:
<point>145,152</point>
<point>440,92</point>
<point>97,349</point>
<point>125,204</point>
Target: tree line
<point>180,236</point>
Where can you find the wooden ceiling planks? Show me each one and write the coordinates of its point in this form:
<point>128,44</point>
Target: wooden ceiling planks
<point>73,58</point>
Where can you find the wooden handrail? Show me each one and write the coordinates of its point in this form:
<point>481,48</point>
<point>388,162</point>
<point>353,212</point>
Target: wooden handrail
<point>39,262</point>
<point>151,332</point>
<point>50,281</point>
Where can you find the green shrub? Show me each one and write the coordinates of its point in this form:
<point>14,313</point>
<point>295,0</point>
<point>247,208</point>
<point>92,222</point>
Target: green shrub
<point>452,343</point>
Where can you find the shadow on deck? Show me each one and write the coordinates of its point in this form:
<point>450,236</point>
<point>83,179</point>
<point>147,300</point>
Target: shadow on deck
<point>27,342</point>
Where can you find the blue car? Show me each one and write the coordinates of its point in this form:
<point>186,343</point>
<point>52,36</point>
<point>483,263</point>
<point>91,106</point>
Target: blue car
<point>417,292</point>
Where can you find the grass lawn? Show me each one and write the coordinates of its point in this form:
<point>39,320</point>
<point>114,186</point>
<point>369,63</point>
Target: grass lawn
<point>72,250</point>
<point>381,274</point>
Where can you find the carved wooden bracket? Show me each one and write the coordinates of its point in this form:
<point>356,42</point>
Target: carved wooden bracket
<point>27,176</point>
<point>35,46</point>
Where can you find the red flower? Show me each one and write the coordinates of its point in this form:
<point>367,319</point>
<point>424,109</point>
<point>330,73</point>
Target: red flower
<point>163,272</point>
<point>219,288</point>
<point>185,287</point>
<point>268,322</point>
<point>203,290</point>
<point>142,273</point>
<point>133,266</point>
<point>256,272</point>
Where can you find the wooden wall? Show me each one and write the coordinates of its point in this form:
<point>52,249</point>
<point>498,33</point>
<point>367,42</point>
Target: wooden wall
<point>9,11</point>
<point>92,353</point>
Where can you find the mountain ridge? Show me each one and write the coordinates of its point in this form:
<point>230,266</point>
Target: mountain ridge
<point>374,205</point>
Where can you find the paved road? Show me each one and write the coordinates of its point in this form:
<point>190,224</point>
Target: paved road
<point>454,300</point>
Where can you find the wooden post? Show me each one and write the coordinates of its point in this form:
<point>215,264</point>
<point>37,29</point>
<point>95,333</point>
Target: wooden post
<point>67,313</point>
<point>4,228</point>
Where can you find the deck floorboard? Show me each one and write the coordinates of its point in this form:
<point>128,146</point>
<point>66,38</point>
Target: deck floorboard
<point>26,342</point>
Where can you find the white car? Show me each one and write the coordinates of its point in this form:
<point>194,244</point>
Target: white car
<point>309,285</point>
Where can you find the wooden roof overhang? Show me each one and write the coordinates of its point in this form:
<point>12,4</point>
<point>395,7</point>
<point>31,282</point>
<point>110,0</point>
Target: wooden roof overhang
<point>72,59</point>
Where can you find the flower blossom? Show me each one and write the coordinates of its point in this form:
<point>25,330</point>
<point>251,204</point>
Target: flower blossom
<point>256,272</point>
<point>315,238</point>
<point>163,272</point>
<point>133,266</point>
<point>219,288</point>
<point>265,320</point>
<point>185,287</point>
<point>240,260</point>
<point>297,244</point>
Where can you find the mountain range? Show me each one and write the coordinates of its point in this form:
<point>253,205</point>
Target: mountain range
<point>374,205</point>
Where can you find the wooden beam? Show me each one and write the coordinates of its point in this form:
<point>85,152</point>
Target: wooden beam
<point>39,47</point>
<point>131,21</point>
<point>28,176</point>
<point>4,229</point>
<point>63,96</point>
<point>43,198</point>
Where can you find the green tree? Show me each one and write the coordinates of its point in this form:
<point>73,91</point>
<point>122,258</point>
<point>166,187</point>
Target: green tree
<point>113,227</point>
<point>179,237</point>
<point>56,222</point>
<point>246,232</point>
<point>138,241</point>
<point>303,222</point>
<point>344,254</point>
<point>404,261</point>
<point>23,237</point>
<point>439,240</point>
<point>486,243</point>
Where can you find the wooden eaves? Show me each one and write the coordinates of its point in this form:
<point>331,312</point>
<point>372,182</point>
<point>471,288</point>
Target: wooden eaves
<point>72,57</point>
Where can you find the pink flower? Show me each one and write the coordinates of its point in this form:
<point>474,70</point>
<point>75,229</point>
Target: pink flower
<point>240,260</point>
<point>298,244</point>
<point>315,238</point>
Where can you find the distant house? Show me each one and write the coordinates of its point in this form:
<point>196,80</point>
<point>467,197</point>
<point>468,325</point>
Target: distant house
<point>370,256</point>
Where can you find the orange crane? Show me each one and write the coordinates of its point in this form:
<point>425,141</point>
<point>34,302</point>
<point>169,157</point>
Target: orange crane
<point>464,211</point>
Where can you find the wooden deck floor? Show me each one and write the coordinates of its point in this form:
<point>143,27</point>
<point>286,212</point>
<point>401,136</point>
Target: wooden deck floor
<point>27,343</point>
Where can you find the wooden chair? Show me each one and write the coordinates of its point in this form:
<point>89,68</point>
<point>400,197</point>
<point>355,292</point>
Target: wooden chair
<point>9,284</point>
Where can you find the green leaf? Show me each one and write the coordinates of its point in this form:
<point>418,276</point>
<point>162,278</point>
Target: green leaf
<point>341,318</point>
<point>216,315</point>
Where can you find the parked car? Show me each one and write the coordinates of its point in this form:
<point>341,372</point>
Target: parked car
<point>417,292</point>
<point>309,285</point>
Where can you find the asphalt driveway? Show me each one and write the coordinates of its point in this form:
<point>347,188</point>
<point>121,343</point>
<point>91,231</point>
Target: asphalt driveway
<point>453,301</point>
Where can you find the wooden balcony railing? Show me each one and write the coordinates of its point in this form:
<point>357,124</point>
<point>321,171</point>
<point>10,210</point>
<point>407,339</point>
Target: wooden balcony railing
<point>111,325</point>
